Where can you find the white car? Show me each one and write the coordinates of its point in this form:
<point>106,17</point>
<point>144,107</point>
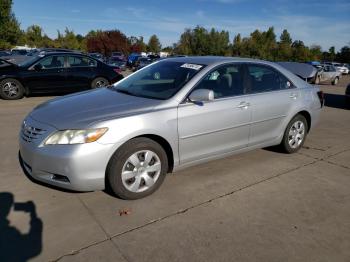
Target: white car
<point>340,67</point>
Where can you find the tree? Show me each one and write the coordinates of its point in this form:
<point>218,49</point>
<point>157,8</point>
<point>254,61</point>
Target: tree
<point>106,42</point>
<point>344,55</point>
<point>200,41</point>
<point>237,45</point>
<point>33,36</point>
<point>10,31</point>
<point>154,44</point>
<point>300,52</point>
<point>315,52</point>
<point>284,50</point>
<point>67,40</point>
<point>137,44</point>
<point>331,53</point>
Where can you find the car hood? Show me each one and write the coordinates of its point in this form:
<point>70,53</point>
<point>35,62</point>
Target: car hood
<point>81,110</point>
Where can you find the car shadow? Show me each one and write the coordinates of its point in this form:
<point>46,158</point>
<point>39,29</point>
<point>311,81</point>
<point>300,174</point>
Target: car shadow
<point>14,245</point>
<point>336,101</point>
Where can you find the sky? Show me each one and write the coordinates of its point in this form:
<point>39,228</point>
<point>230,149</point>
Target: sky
<point>326,23</point>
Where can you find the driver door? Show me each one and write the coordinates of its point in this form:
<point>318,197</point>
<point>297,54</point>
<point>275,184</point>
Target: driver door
<point>49,75</point>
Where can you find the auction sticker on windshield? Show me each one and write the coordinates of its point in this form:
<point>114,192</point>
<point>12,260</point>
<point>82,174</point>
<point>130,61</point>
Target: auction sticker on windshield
<point>192,66</point>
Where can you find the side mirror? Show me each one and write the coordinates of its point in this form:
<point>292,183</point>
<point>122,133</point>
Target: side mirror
<point>38,67</point>
<point>201,95</point>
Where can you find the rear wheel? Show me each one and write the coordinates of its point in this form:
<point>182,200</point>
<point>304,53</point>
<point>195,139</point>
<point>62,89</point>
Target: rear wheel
<point>11,89</point>
<point>295,134</point>
<point>99,82</point>
<point>137,169</point>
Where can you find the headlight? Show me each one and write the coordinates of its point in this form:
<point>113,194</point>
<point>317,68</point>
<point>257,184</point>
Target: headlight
<point>69,137</point>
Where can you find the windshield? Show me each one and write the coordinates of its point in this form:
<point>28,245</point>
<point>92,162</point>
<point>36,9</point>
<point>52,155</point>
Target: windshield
<point>161,80</point>
<point>30,61</point>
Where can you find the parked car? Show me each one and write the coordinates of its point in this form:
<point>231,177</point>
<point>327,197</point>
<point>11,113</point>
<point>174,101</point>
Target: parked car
<point>132,58</point>
<point>142,62</point>
<point>340,67</point>
<point>98,56</point>
<point>54,72</point>
<point>42,51</point>
<point>347,95</point>
<point>175,113</point>
<point>113,61</point>
<point>5,53</point>
<point>328,73</point>
<point>118,55</point>
<point>19,51</point>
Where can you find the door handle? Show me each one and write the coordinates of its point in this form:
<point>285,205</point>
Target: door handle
<point>243,105</point>
<point>293,96</point>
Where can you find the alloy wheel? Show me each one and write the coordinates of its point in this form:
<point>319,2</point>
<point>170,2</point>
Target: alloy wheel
<point>101,83</point>
<point>10,89</point>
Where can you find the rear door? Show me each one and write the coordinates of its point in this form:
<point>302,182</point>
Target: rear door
<point>50,78</point>
<point>329,73</point>
<point>81,71</point>
<point>272,98</point>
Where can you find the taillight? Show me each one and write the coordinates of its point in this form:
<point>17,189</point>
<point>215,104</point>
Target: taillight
<point>320,95</point>
<point>117,70</point>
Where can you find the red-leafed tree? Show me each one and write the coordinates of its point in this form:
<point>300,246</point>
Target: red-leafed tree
<point>106,42</point>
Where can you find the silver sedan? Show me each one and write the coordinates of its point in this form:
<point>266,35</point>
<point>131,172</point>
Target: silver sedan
<point>172,114</point>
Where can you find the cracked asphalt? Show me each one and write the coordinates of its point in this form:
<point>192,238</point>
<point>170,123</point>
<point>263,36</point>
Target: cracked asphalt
<point>258,206</point>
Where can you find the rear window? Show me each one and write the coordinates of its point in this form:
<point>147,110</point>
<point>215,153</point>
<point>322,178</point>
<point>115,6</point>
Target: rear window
<point>78,61</point>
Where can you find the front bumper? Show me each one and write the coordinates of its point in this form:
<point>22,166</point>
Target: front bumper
<point>75,167</point>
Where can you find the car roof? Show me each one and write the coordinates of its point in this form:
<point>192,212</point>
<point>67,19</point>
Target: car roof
<point>209,60</point>
<point>44,54</point>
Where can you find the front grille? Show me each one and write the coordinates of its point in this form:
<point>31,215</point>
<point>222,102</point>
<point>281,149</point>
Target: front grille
<point>30,133</point>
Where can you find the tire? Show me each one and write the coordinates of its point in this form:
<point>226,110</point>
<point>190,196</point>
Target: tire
<point>11,89</point>
<point>130,160</point>
<point>335,81</point>
<point>295,134</point>
<point>99,82</point>
<point>317,80</point>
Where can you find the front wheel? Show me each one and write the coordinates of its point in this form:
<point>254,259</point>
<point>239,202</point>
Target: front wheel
<point>317,80</point>
<point>137,169</point>
<point>99,82</point>
<point>295,134</point>
<point>335,81</point>
<point>11,89</point>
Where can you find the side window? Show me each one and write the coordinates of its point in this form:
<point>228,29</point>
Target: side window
<point>52,62</point>
<point>77,61</point>
<point>265,79</point>
<point>225,81</point>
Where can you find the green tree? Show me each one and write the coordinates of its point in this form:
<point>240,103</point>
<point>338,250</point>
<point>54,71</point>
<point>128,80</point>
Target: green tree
<point>284,49</point>
<point>154,44</point>
<point>315,52</point>
<point>10,31</point>
<point>344,55</point>
<point>331,52</point>
<point>200,41</point>
<point>67,40</point>
<point>300,52</point>
<point>33,36</point>
<point>237,45</point>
